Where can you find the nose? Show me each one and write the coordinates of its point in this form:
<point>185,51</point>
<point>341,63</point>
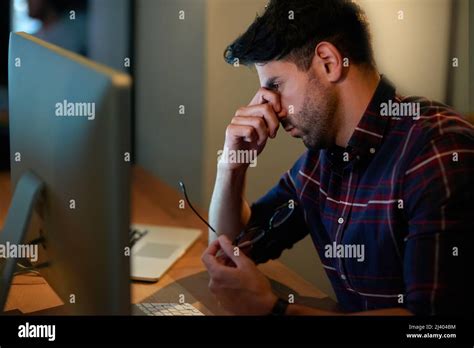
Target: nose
<point>283,116</point>
<point>283,113</point>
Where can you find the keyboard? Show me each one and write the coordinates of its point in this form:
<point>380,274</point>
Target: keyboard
<point>165,309</point>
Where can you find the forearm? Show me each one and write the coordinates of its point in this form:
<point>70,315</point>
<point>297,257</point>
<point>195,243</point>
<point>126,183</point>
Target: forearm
<point>229,212</point>
<point>295,309</point>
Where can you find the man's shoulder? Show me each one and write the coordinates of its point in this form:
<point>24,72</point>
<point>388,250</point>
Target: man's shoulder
<point>435,121</point>
<point>437,131</point>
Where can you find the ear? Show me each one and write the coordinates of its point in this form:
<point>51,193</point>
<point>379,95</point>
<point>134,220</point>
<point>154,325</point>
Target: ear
<point>330,59</point>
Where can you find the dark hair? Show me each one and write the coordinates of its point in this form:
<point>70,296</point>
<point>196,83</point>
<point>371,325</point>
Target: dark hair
<point>275,36</point>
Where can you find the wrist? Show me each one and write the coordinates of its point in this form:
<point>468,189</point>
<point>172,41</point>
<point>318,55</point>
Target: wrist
<point>229,174</point>
<point>235,170</point>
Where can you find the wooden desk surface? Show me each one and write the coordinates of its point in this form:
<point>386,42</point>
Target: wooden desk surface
<point>155,203</point>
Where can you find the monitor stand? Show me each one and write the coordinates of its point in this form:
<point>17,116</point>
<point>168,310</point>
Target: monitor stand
<point>27,194</point>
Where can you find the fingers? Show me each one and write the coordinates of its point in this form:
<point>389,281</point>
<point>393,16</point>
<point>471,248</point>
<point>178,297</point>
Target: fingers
<point>220,275</point>
<point>257,123</point>
<point>223,259</point>
<point>247,133</point>
<point>240,259</point>
<point>211,263</point>
<point>211,257</point>
<point>223,274</point>
<point>264,111</point>
<point>264,95</point>
<point>213,248</point>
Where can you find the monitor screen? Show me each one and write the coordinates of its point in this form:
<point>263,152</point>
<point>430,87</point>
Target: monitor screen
<point>20,19</point>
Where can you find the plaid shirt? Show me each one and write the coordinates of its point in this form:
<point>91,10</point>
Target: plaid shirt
<point>402,189</point>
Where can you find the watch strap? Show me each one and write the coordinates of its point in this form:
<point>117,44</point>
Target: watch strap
<point>279,308</point>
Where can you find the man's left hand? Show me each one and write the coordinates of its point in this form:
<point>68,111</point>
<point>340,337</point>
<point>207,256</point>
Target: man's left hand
<point>240,288</point>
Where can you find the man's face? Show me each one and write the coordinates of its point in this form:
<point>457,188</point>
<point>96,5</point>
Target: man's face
<point>310,101</point>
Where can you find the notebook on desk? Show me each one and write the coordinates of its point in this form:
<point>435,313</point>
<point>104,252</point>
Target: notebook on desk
<point>157,248</point>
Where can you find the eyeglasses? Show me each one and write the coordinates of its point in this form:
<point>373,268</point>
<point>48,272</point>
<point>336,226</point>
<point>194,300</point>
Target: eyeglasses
<point>253,234</point>
<point>183,188</point>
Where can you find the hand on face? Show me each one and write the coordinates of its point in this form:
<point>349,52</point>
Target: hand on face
<point>252,125</point>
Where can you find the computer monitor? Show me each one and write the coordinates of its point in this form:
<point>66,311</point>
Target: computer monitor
<point>70,143</point>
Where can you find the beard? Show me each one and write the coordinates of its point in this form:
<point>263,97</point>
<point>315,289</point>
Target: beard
<point>317,122</point>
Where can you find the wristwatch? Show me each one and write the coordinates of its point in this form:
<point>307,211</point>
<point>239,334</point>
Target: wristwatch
<point>279,308</point>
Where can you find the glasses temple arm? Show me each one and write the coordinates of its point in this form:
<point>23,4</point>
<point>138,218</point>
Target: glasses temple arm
<point>183,189</point>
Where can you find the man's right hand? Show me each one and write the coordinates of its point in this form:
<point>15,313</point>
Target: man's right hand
<point>252,125</point>
<point>249,130</point>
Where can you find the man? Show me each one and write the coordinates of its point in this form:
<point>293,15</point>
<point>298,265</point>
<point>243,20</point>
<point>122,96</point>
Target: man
<point>384,189</point>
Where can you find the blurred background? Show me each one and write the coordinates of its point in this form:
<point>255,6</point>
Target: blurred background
<point>185,94</point>
<point>99,29</point>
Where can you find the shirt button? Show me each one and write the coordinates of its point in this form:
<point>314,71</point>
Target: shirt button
<point>340,221</point>
<point>372,150</point>
<point>343,277</point>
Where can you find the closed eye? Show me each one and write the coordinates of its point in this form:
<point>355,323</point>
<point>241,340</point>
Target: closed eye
<point>274,86</point>
<point>273,83</point>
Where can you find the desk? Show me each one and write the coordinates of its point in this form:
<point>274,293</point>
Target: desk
<point>153,202</point>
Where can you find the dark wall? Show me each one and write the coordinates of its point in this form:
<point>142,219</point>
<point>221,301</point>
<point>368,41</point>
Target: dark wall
<point>4,34</point>
<point>471,60</point>
<point>4,37</point>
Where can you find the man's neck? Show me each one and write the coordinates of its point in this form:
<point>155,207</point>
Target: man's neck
<point>356,92</point>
